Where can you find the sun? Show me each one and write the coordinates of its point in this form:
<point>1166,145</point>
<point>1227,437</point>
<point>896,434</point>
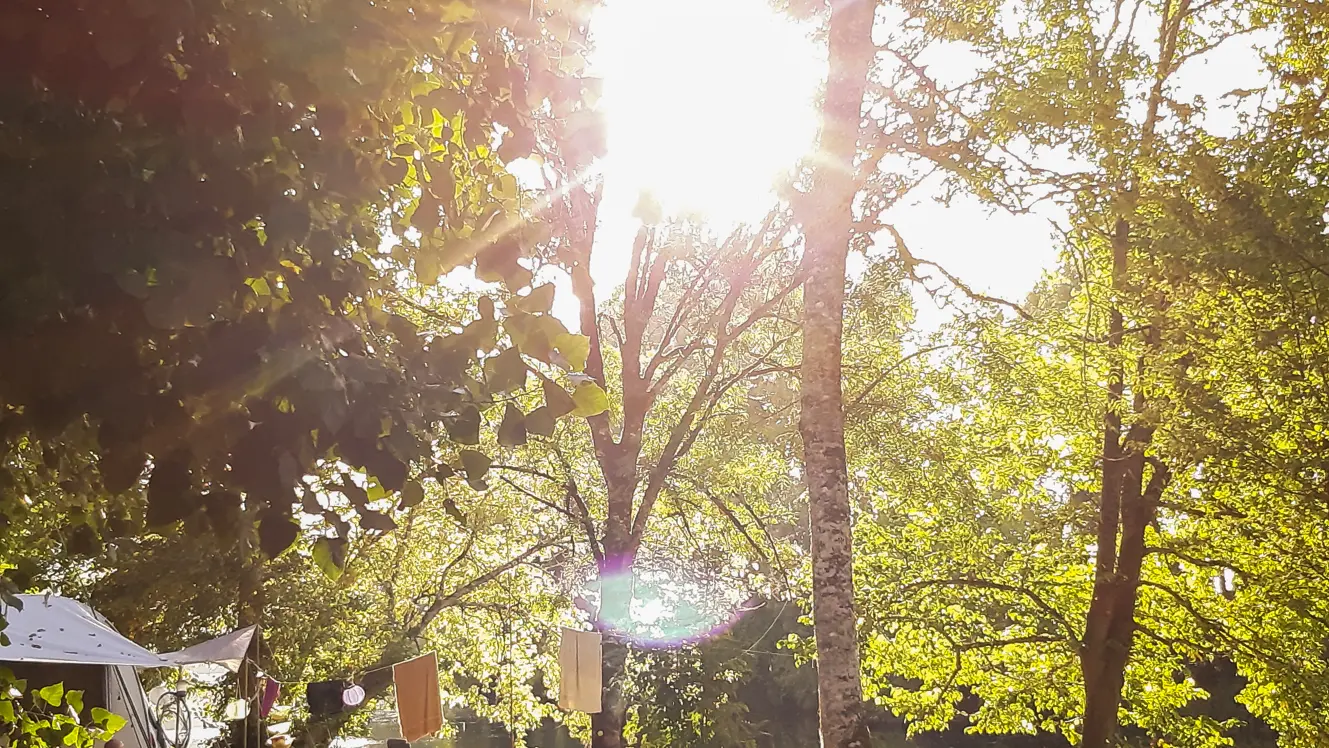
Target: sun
<point>708,102</point>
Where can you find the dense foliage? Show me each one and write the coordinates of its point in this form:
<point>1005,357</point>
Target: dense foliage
<point>225,211</point>
<point>238,388</point>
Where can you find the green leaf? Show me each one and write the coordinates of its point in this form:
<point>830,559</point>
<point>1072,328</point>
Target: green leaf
<point>575,348</point>
<point>539,301</point>
<point>52,694</point>
<point>75,700</point>
<point>591,400</point>
<point>109,721</point>
<point>6,711</point>
<point>541,422</point>
<point>464,428</point>
<point>557,400</point>
<point>476,466</point>
<point>505,372</point>
<point>412,493</point>
<point>512,431</point>
<point>329,559</point>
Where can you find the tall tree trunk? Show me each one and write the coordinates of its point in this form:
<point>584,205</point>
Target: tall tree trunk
<point>1126,508</point>
<point>614,616</point>
<point>607,725</point>
<point>839,689</point>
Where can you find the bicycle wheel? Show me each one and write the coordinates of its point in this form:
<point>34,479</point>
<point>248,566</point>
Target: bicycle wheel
<point>173,714</point>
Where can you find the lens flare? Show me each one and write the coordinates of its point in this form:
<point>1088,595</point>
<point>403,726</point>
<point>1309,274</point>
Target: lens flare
<point>660,612</point>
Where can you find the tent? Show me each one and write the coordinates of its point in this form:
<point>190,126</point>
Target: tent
<point>54,639</point>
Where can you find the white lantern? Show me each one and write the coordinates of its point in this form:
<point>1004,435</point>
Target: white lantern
<point>353,696</point>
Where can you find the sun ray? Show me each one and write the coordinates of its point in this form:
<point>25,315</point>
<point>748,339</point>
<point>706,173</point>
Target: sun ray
<point>708,101</point>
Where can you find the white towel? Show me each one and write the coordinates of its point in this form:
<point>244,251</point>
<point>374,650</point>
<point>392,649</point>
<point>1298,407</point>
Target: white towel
<point>579,660</point>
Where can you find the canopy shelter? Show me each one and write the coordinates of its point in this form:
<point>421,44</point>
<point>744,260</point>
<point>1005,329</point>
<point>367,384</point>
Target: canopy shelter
<point>54,639</point>
<point>56,629</point>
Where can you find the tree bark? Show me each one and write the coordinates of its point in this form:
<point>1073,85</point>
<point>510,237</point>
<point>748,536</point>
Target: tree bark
<point>1126,508</point>
<point>607,725</point>
<point>839,688</point>
<point>613,619</point>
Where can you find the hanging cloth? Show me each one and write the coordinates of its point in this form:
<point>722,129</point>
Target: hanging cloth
<point>325,697</point>
<point>419,708</point>
<point>271,689</point>
<point>579,662</point>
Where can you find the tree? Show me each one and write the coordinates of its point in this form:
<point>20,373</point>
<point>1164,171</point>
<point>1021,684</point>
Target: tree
<point>699,320</point>
<point>199,294</point>
<point>1028,568</point>
<point>821,423</point>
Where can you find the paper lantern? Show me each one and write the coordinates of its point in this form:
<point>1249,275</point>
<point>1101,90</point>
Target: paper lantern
<point>353,696</point>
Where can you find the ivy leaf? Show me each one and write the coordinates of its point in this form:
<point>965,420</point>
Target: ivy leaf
<point>464,428</point>
<point>6,711</point>
<point>476,466</point>
<point>591,400</point>
<point>505,372</point>
<point>575,348</point>
<point>75,700</point>
<point>330,557</point>
<point>512,431</point>
<point>412,493</point>
<point>52,694</point>
<point>557,400</point>
<point>541,421</point>
<point>109,721</point>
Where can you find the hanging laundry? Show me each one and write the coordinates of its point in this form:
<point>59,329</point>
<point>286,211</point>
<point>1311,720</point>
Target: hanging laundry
<point>271,689</point>
<point>325,697</point>
<point>419,707</point>
<point>580,658</point>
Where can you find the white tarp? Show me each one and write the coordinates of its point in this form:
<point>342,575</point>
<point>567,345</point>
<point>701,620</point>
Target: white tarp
<point>125,697</point>
<point>57,629</point>
<point>228,651</point>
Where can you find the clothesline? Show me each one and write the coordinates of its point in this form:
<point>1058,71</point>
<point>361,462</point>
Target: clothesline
<point>358,676</point>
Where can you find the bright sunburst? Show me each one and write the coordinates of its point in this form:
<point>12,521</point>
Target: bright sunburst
<point>708,101</point>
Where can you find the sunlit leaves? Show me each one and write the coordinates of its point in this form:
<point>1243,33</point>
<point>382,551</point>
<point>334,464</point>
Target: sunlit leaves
<point>51,694</point>
<point>589,399</point>
<point>330,557</point>
<point>252,248</point>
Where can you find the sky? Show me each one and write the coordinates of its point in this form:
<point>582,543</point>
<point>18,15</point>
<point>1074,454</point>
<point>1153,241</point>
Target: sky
<point>709,101</point>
